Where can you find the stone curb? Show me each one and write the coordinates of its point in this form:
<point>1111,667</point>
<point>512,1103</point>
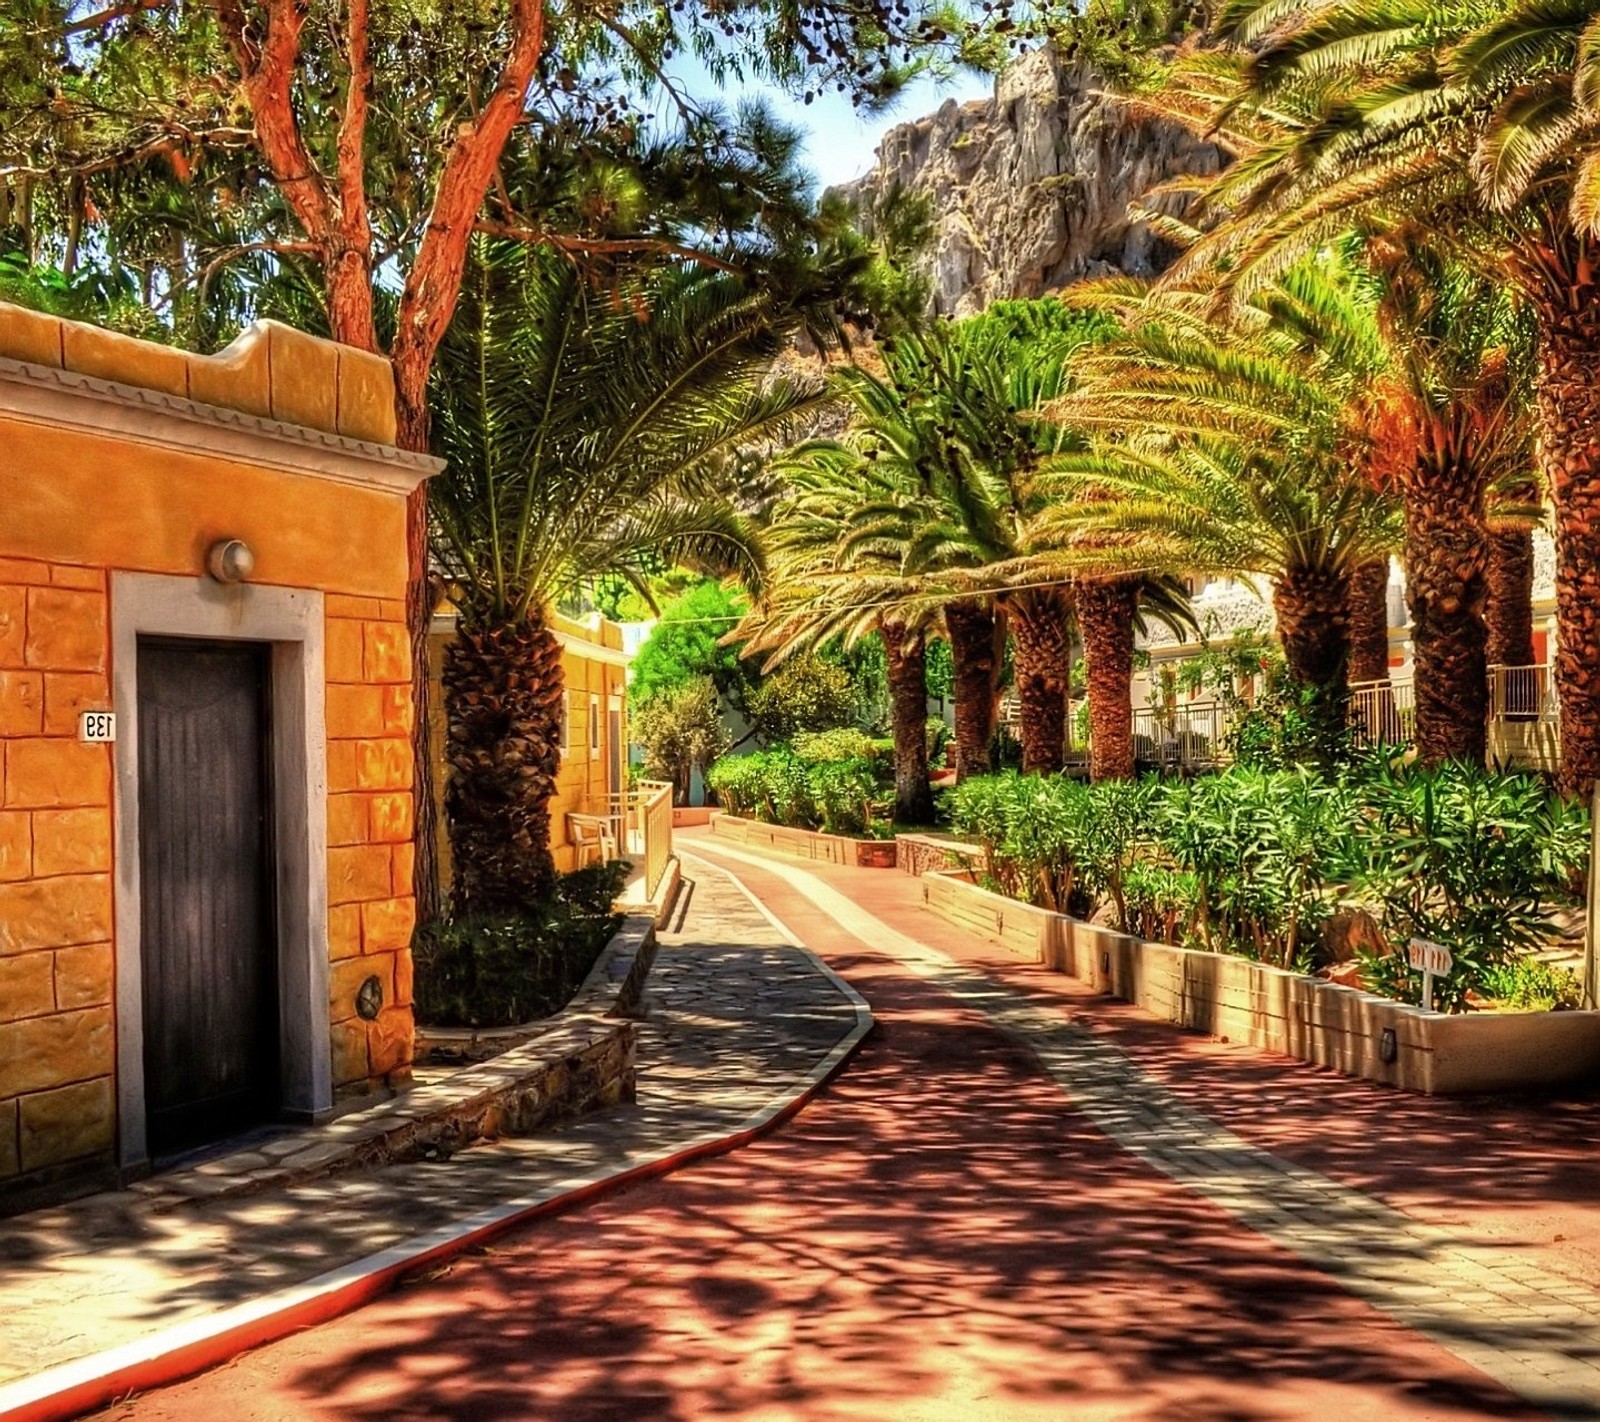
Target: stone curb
<point>185,1349</point>
<point>524,1087</point>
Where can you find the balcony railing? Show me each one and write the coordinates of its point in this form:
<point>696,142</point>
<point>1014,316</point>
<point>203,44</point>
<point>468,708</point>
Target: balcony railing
<point>1522,694</point>
<point>1383,713</point>
<point>641,822</point>
<point>1189,737</point>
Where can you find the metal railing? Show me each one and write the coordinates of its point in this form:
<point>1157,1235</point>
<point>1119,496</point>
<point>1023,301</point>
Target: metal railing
<point>1383,713</point>
<point>1522,694</point>
<point>1188,737</point>
<point>641,822</point>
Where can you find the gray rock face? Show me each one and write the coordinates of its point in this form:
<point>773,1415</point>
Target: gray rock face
<point>1031,188</point>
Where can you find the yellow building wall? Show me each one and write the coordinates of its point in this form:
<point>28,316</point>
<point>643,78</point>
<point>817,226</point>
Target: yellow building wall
<point>592,668</point>
<point>78,505</point>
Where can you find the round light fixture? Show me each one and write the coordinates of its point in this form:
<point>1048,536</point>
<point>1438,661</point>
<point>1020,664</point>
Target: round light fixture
<point>229,560</point>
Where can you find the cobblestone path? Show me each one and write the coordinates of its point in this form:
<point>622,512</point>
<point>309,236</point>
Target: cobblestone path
<point>737,1017</point>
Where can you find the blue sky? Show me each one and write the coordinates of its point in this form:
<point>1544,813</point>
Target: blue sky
<point>840,140</point>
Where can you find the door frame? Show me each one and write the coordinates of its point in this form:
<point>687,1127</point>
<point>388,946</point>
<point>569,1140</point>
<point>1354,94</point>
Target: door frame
<point>291,621</point>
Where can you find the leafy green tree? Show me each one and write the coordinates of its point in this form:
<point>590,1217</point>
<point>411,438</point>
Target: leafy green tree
<point>807,693</point>
<point>687,644</point>
<point>581,439</point>
<point>680,729</point>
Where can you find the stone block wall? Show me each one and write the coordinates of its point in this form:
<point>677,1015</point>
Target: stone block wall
<point>371,911</point>
<point>57,1037</point>
<point>122,457</point>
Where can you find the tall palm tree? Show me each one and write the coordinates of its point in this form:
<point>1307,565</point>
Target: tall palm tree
<point>837,558</point>
<point>1112,613</point>
<point>1369,622</point>
<point>1480,123</point>
<point>936,480</point>
<point>1224,440</point>
<point>1449,423</point>
<point>584,431</point>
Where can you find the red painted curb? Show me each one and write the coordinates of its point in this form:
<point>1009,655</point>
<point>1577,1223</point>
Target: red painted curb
<point>187,1360</point>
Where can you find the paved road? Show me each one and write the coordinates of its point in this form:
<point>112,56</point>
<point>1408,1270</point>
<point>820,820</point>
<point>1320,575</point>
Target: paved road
<point>948,1232</point>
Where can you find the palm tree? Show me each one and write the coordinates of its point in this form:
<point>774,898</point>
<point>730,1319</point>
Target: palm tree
<point>1448,425</point>
<point>1477,123</point>
<point>1224,440</point>
<point>1369,622</point>
<point>837,557</point>
<point>926,502</point>
<point>1112,613</point>
<point>584,431</point>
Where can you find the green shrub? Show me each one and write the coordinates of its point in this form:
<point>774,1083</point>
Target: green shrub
<point>1265,848</point>
<point>845,796</point>
<point>1035,830</point>
<point>844,743</point>
<point>1529,985</point>
<point>938,737</point>
<point>680,729</point>
<point>806,693</point>
<point>1475,860</point>
<point>500,970</point>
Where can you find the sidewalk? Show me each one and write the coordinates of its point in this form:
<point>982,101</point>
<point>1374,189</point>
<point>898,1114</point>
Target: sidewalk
<point>1454,1248</point>
<point>740,1026</point>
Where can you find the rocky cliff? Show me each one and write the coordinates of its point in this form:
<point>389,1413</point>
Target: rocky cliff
<point>1031,188</point>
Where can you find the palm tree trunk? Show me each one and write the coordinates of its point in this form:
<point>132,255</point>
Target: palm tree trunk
<point>1445,589</point>
<point>1509,613</point>
<point>502,692</point>
<point>1041,626</point>
<point>1369,622</point>
<point>1312,607</point>
<point>1565,274</point>
<point>908,714</point>
<point>1106,611</point>
<point>976,654</point>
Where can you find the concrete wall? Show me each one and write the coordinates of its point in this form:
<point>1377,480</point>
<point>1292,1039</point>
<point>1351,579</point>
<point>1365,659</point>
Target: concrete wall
<point>1279,1011</point>
<point>123,457</point>
<point>805,844</point>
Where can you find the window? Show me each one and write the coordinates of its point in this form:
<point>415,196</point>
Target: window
<point>594,728</point>
<point>565,743</point>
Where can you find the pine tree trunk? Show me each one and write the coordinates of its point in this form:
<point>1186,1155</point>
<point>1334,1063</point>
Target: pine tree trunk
<point>1105,621</point>
<point>502,692</point>
<point>976,654</point>
<point>1041,627</point>
<point>1312,607</point>
<point>1445,589</point>
<point>908,712</point>
<point>1568,308</point>
<point>412,433</point>
<point>1509,613</point>
<point>1369,622</point>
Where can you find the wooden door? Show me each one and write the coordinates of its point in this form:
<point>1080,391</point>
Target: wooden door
<point>208,942</point>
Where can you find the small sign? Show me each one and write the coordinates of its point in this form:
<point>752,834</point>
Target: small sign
<point>1432,958</point>
<point>97,726</point>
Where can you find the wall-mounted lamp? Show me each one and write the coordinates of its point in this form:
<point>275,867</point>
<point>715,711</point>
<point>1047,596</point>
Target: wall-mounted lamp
<point>229,560</point>
<point>1388,1046</point>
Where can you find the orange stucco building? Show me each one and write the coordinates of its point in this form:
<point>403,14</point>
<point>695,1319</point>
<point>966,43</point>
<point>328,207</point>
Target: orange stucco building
<point>205,769</point>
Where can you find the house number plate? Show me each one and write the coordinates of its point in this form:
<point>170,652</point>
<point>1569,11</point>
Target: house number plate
<point>97,726</point>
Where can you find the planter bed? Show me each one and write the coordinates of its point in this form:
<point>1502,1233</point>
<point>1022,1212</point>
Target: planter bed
<point>806,844</point>
<point>1350,1031</point>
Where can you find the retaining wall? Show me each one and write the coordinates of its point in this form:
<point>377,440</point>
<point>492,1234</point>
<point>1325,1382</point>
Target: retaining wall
<point>805,844</point>
<point>1350,1031</point>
